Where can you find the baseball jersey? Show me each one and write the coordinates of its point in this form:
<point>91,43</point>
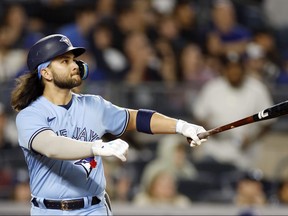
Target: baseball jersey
<point>86,118</point>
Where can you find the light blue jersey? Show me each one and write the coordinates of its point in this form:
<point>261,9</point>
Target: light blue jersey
<point>86,118</point>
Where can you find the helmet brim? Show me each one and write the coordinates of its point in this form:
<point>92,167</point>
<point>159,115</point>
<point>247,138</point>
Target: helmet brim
<point>77,51</point>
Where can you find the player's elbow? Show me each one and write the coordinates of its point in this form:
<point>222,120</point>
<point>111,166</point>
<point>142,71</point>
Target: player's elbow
<point>51,154</point>
<point>45,150</point>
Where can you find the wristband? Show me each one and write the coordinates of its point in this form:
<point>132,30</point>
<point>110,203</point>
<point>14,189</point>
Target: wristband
<point>143,120</point>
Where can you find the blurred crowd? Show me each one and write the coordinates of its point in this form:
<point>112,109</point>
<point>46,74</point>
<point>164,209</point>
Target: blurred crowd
<point>180,40</point>
<point>233,51</point>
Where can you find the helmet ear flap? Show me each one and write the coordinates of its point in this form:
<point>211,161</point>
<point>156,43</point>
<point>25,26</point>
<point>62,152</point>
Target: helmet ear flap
<point>83,68</point>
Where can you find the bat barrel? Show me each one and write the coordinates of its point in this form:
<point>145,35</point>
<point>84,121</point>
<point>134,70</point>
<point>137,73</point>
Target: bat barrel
<point>269,113</point>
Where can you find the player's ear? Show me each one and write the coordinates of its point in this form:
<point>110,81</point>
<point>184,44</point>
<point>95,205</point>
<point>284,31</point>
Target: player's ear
<point>46,74</point>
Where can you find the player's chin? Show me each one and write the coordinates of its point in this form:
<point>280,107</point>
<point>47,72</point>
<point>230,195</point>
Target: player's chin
<point>75,83</point>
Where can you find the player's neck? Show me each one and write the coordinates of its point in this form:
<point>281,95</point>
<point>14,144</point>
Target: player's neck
<point>58,97</point>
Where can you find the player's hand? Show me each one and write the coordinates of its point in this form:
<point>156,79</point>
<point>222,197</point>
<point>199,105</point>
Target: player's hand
<point>117,148</point>
<point>190,131</point>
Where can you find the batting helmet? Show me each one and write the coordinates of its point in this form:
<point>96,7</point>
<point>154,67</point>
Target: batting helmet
<point>50,47</point>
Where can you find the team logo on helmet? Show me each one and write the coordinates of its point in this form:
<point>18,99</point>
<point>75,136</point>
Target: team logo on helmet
<point>66,40</point>
<point>88,164</point>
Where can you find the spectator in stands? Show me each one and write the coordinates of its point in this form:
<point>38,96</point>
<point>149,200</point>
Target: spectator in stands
<point>226,34</point>
<point>22,191</point>
<point>232,96</point>
<point>105,9</point>
<point>11,59</point>
<point>282,78</point>
<point>16,22</point>
<point>4,142</point>
<point>250,193</point>
<point>6,173</point>
<point>171,155</point>
<point>123,184</point>
<point>160,189</point>
<point>276,15</point>
<point>119,178</point>
<point>283,192</point>
<point>251,14</point>
<point>258,65</point>
<point>145,65</point>
<point>279,32</point>
<point>110,62</point>
<point>267,40</point>
<point>185,15</point>
<point>193,66</point>
<point>6,182</point>
<point>129,19</point>
<point>167,57</point>
<point>249,189</point>
<point>168,30</point>
<point>163,7</point>
<point>56,13</point>
<point>79,29</point>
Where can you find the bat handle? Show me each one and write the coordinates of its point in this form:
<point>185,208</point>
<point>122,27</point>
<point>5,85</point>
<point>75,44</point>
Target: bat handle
<point>203,135</point>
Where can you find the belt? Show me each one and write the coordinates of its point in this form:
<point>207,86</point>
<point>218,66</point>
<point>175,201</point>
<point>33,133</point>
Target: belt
<point>65,204</point>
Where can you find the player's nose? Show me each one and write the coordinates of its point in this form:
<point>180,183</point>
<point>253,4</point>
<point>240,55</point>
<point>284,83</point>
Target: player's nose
<point>75,66</point>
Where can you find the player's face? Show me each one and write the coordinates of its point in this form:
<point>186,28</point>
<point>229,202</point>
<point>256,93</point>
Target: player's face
<point>65,72</point>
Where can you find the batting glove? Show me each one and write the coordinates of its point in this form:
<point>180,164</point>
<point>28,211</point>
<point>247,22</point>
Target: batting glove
<point>117,148</point>
<point>190,131</point>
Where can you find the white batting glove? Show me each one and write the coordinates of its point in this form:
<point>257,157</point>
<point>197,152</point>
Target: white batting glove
<point>190,131</point>
<point>117,148</point>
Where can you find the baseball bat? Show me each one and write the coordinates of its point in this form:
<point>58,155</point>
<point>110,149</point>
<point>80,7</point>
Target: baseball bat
<point>275,111</point>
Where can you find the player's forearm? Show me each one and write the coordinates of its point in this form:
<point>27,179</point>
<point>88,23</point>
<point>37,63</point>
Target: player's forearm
<point>58,147</point>
<point>151,122</point>
<point>161,124</point>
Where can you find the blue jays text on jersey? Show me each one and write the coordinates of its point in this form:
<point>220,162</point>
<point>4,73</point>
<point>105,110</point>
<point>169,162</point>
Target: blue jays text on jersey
<point>86,118</point>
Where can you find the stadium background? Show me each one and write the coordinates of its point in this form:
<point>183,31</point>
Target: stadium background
<point>23,22</point>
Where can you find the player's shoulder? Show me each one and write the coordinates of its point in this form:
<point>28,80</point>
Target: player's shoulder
<point>36,108</point>
<point>79,96</point>
<point>214,84</point>
<point>90,98</point>
<point>256,84</point>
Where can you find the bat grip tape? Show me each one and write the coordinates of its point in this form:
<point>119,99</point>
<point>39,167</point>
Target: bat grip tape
<point>143,120</point>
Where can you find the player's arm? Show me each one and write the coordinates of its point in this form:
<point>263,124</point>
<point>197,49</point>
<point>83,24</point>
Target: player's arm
<point>59,147</point>
<point>151,122</point>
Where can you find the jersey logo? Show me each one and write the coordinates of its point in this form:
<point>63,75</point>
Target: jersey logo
<point>50,119</point>
<point>88,164</point>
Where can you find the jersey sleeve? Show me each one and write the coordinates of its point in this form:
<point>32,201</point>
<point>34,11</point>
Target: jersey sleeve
<point>29,123</point>
<point>114,119</point>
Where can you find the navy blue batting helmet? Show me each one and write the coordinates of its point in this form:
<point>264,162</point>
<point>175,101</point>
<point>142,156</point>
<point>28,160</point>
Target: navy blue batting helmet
<point>50,47</point>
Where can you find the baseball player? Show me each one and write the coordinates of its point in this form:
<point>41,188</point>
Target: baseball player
<point>60,131</point>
